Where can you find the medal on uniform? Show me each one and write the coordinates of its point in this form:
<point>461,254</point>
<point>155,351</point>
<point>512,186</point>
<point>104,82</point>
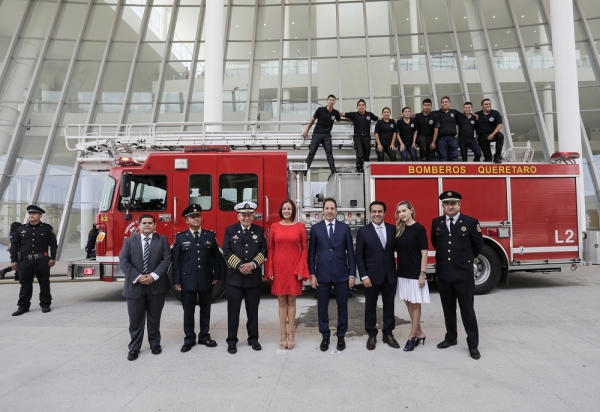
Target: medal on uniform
<point>254,237</point>
<point>464,229</point>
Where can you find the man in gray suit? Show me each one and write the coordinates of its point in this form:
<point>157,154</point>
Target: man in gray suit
<point>145,259</point>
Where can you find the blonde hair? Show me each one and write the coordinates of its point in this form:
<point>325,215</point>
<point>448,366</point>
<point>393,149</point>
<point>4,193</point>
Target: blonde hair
<point>400,225</point>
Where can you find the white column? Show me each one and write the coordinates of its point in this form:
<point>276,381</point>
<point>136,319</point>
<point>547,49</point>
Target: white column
<point>483,64</point>
<point>547,107</point>
<point>213,78</point>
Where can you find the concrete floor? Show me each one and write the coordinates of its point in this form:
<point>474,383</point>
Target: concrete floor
<point>540,346</point>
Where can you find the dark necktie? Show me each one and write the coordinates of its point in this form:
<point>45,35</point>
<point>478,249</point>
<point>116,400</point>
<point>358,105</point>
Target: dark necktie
<point>330,230</point>
<point>451,224</point>
<point>146,254</point>
<point>196,236</point>
<point>245,232</point>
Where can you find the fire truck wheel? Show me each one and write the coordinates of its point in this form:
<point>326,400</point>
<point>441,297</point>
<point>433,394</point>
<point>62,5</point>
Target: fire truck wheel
<point>487,271</point>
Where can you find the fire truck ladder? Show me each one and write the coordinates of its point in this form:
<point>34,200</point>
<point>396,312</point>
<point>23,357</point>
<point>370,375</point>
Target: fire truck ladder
<point>103,143</point>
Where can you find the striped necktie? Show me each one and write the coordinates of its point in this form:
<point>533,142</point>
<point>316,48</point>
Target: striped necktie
<point>146,254</point>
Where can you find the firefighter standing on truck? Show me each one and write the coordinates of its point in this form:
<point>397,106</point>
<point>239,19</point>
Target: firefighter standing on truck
<point>29,254</point>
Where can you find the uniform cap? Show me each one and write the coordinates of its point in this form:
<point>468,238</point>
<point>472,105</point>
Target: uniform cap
<point>245,207</point>
<point>450,196</point>
<point>191,209</point>
<point>34,208</point>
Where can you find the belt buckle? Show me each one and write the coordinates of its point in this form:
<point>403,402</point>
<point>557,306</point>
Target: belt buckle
<point>34,256</point>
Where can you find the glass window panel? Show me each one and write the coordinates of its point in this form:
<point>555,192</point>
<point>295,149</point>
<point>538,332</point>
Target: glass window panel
<point>410,44</point>
<point>469,60</point>
<point>239,70</point>
<point>129,24</point>
<point>407,17</point>
<point>12,91</point>
<point>583,54</point>
<point>28,48</point>
<point>297,110</point>
<point>151,52</point>
<point>296,22</point>
<point>178,71</point>
<point>440,43</point>
<point>496,14</point>
<point>465,15</point>
<point>38,19</point>
<point>295,76</point>
<point>239,50</point>
<point>30,147</point>
<point>13,212</point>
<point>590,8</point>
<point>594,26</point>
<point>268,25</point>
<point>535,35</point>
<point>70,20</point>
<point>54,189</point>
<point>503,38</point>
<point>451,90</point>
<point>148,192</point>
<point>81,86</point>
<point>507,59</point>
<point>201,191</point>
<point>444,61</point>
<point>323,21</point>
<point>144,77</point>
<point>186,24</point>
<point>473,40</point>
<point>381,45</point>
<point>417,90</point>
<point>295,49</point>
<point>158,24</point>
<point>517,102</point>
<point>324,79</point>
<point>115,77</point>
<point>237,188</point>
<point>383,74</point>
<point>121,52</point>
<point>393,103</point>
<point>91,50</point>
<point>10,15</point>
<point>172,102</point>
<point>4,43</point>
<point>60,49</point>
<point>528,12</point>
<point>353,47</point>
<point>436,16</point>
<point>588,98</point>
<point>324,48</point>
<point>378,18</point>
<point>351,19</point>
<point>181,51</point>
<point>99,23</point>
<point>523,129</point>
<point>240,27</point>
<point>415,62</point>
<point>265,50</point>
<point>354,73</point>
<point>51,81</point>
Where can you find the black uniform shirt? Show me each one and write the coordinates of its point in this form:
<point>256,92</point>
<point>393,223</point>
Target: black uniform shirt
<point>426,124</point>
<point>386,131</point>
<point>361,122</point>
<point>33,239</point>
<point>447,122</point>
<point>407,130</point>
<point>486,123</point>
<point>325,120</point>
<point>466,125</point>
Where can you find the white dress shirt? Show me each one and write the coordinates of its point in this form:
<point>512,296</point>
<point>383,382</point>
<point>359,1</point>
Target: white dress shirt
<point>143,240</point>
<point>455,220</point>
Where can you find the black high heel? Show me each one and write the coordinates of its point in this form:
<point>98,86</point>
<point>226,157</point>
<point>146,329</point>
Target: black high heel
<point>410,344</point>
<point>419,340</point>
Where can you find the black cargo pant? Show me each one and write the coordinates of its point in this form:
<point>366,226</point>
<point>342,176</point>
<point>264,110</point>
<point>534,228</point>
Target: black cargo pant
<point>362,145</point>
<point>27,270</point>
<point>465,143</point>
<point>315,142</point>
<point>486,149</point>
<point>424,145</point>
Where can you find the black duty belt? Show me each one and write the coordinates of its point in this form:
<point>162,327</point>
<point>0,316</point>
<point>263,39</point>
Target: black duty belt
<point>362,134</point>
<point>34,256</point>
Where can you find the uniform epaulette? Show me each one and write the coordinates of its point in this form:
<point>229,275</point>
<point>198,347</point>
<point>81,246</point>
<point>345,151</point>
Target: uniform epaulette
<point>178,233</point>
<point>208,230</point>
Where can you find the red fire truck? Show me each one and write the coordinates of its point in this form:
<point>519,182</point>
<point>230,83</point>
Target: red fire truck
<point>528,211</point>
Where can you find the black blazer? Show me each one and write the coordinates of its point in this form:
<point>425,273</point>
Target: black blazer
<point>238,250</point>
<point>331,260</point>
<point>196,264</point>
<point>372,259</point>
<point>131,261</point>
<point>454,252</point>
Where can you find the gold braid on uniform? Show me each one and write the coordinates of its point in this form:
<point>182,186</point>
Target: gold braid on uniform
<point>233,261</point>
<point>259,259</point>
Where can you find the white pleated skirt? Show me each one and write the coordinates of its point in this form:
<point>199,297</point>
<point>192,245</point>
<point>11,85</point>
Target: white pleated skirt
<point>409,290</point>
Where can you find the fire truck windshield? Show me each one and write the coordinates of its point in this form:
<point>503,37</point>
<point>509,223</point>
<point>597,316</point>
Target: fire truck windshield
<point>107,195</point>
<point>148,192</point>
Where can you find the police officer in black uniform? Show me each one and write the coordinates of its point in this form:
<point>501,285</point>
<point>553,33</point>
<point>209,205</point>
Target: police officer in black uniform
<point>466,133</point>
<point>361,120</point>
<point>196,269</point>
<point>245,250</point>
<point>29,254</point>
<point>457,241</point>
<point>489,124</point>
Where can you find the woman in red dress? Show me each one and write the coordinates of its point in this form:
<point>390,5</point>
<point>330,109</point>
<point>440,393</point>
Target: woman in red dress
<point>287,267</point>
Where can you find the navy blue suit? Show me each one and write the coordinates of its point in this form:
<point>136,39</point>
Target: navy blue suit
<point>196,264</point>
<point>377,263</point>
<point>454,255</point>
<point>237,250</point>
<point>332,262</point>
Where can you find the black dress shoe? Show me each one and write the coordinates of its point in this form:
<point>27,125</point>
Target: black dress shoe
<point>371,342</point>
<point>20,311</point>
<point>324,345</point>
<point>231,349</point>
<point>474,353</point>
<point>389,339</point>
<point>156,350</point>
<point>187,347</point>
<point>46,309</point>
<point>256,346</point>
<point>132,355</point>
<point>445,344</point>
<point>341,345</point>
<point>209,343</point>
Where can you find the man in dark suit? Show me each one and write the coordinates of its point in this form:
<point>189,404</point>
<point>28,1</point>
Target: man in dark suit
<point>245,250</point>
<point>457,241</point>
<point>331,264</point>
<point>145,259</point>
<point>377,270</point>
<point>196,269</point>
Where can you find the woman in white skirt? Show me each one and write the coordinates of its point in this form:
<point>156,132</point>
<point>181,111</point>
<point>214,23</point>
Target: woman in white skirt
<point>411,248</point>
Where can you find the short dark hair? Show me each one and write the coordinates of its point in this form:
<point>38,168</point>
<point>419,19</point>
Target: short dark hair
<point>291,202</point>
<point>485,100</point>
<point>404,108</point>
<point>331,95</point>
<point>467,103</point>
<point>361,100</point>
<point>329,199</point>
<point>386,108</point>
<point>377,202</point>
<point>14,226</point>
<point>146,216</point>
<point>428,100</point>
<point>445,97</point>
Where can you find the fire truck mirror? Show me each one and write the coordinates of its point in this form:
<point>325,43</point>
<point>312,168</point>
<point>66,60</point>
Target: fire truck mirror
<point>124,189</point>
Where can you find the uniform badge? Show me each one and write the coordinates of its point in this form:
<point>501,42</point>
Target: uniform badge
<point>491,119</point>
<point>472,121</point>
<point>186,243</point>
<point>412,125</point>
<point>392,126</point>
<point>332,117</point>
<point>449,193</point>
<point>478,227</point>
<point>235,237</point>
<point>208,242</point>
<point>431,122</point>
<point>451,114</point>
<point>464,229</point>
<point>254,237</point>
<point>368,117</point>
